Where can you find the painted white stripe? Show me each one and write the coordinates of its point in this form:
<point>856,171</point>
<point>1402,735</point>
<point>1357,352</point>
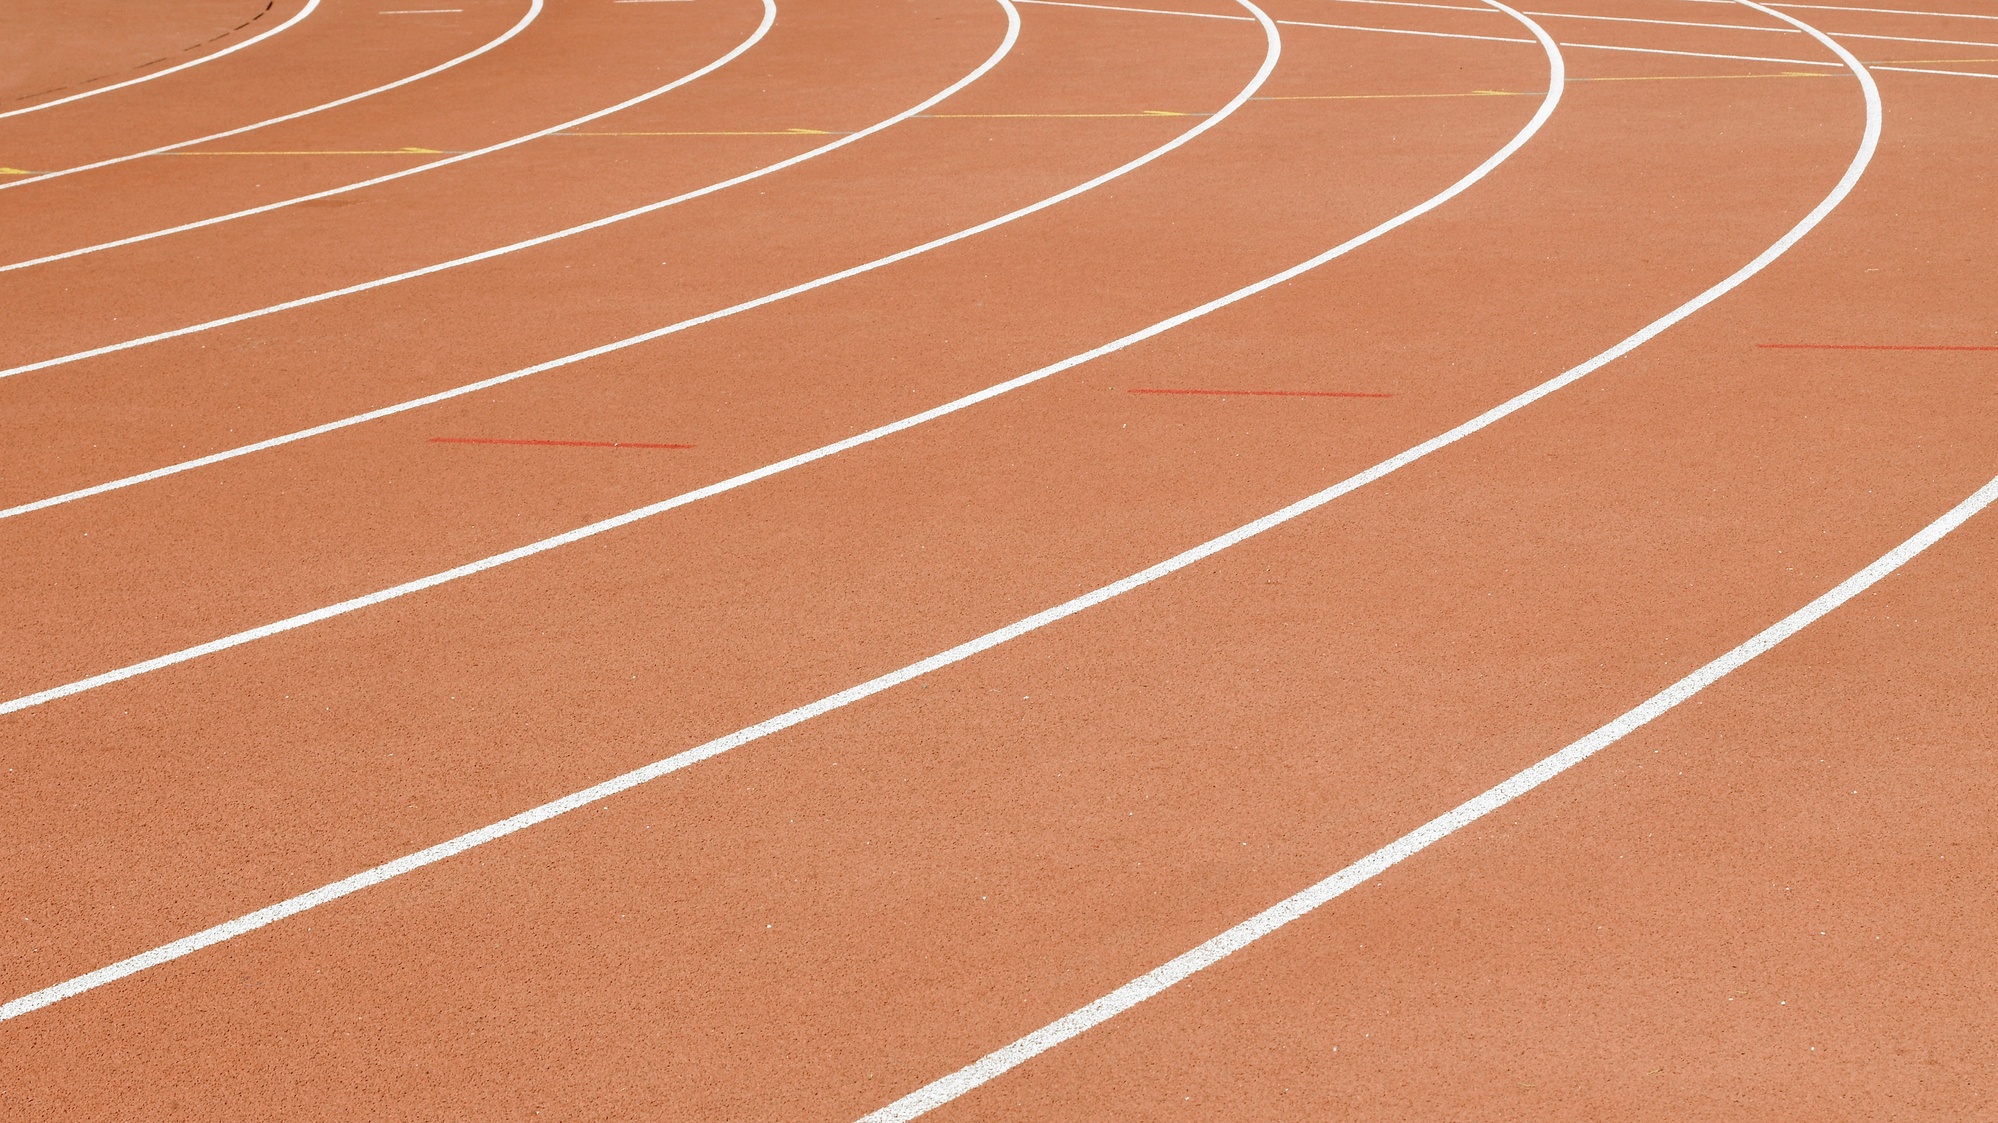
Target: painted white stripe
<point>1880,11</point>
<point>1666,22</point>
<point>1002,1060</point>
<point>1005,47</point>
<point>386,871</point>
<point>533,12</point>
<point>1206,955</point>
<point>310,7</point>
<point>1678,23</point>
<point>755,37</point>
<point>1950,73</point>
<point>1141,11</point>
<point>1439,34</point>
<point>1209,122</point>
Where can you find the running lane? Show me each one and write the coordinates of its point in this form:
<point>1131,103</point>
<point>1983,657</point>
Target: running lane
<point>569,62</point>
<point>859,63</point>
<point>793,980</point>
<point>48,48</point>
<point>338,50</point>
<point>1771,901</point>
<point>52,52</point>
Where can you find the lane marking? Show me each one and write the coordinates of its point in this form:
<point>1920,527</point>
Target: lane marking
<point>1006,45</point>
<point>563,444</point>
<point>726,132</point>
<point>1947,73</point>
<point>1295,907</point>
<point>1445,34</point>
<point>1842,8</point>
<point>755,37</point>
<point>1260,393</point>
<point>1666,23</point>
<point>1205,123</point>
<point>310,7</point>
<point>1872,347</point>
<point>343,152</point>
<point>998,1062</point>
<point>388,870</point>
<point>533,13</point>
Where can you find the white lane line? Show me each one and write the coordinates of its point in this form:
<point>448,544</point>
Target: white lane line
<point>1421,838</point>
<point>533,12</point>
<point>1950,73</point>
<point>1141,11</point>
<point>1666,23</point>
<point>310,7</point>
<point>1271,55</point>
<point>1565,44</point>
<point>845,139</point>
<point>378,874</point>
<point>1436,34</point>
<point>1002,1060</point>
<point>1206,123</point>
<point>755,37</point>
<point>1843,8</point>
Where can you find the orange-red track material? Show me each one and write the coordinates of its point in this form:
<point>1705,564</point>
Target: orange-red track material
<point>1776,901</point>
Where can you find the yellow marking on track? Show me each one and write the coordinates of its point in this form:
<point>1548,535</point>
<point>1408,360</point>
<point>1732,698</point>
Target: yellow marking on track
<point>1051,116</point>
<point>768,132</point>
<point>1393,97</point>
<point>355,152</point>
<point>1704,77</point>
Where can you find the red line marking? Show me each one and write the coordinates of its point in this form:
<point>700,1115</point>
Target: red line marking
<point>1870,347</point>
<point>565,444</point>
<point>1267,393</point>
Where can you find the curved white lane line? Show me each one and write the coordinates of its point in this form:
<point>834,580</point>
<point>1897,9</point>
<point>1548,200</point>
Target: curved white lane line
<point>615,522</point>
<point>1012,33</point>
<point>1422,837</point>
<point>310,7</point>
<point>762,29</point>
<point>1211,121</point>
<point>998,1062</point>
<point>534,8</point>
<point>396,868</point>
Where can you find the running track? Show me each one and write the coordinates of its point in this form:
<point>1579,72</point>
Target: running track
<point>985,807</point>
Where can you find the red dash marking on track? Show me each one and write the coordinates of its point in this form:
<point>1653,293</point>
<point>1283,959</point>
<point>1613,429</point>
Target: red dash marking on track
<point>1266,393</point>
<point>1872,347</point>
<point>565,444</point>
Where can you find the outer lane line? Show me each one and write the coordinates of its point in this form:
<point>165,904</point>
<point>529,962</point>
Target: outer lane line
<point>310,7</point>
<point>533,12</point>
<point>1205,123</point>
<point>762,29</point>
<point>998,1062</point>
<point>408,863</point>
